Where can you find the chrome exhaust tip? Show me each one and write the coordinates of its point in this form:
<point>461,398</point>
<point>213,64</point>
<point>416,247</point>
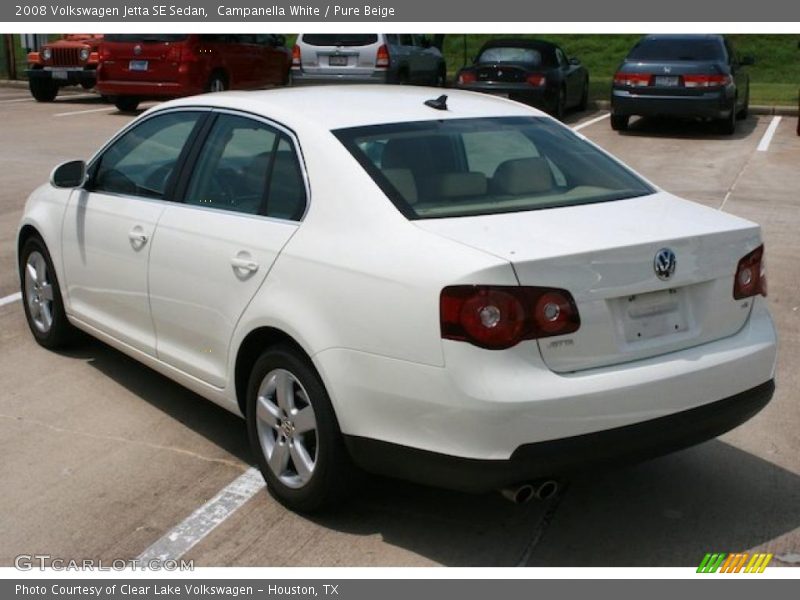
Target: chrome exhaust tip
<point>543,489</point>
<point>519,494</point>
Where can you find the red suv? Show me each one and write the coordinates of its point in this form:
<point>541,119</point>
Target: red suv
<point>135,67</point>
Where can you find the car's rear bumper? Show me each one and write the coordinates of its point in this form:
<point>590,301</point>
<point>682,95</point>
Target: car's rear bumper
<point>64,76</point>
<point>486,404</point>
<point>554,458</point>
<point>711,105</point>
<point>302,77</point>
<point>522,92</point>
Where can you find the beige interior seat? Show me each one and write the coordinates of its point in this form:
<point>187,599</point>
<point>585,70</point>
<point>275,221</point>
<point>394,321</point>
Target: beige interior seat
<point>523,176</point>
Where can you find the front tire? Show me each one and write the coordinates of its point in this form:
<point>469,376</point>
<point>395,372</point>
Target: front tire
<point>294,433</point>
<point>41,297</point>
<point>43,90</point>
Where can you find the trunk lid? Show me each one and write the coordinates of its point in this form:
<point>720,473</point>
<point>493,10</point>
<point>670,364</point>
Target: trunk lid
<point>497,72</point>
<point>604,255</point>
<point>668,78</point>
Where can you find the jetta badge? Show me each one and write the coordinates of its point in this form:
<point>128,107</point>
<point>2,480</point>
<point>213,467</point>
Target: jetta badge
<point>664,263</point>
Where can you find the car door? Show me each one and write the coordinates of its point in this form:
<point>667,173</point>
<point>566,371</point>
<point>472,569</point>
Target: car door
<point>241,205</point>
<point>571,80</point>
<point>109,224</point>
<point>740,76</point>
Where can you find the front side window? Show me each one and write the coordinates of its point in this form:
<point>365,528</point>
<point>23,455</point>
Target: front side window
<point>249,167</point>
<point>143,160</point>
<point>462,167</point>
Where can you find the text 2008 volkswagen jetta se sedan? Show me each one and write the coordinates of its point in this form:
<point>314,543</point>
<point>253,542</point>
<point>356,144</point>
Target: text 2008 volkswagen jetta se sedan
<point>457,291</point>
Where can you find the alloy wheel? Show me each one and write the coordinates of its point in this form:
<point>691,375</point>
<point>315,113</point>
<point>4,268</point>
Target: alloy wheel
<point>287,428</point>
<point>39,291</point>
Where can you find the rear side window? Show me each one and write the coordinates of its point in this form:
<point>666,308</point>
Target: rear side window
<point>462,167</point>
<point>677,49</point>
<point>340,39</point>
<point>249,167</point>
<point>143,160</point>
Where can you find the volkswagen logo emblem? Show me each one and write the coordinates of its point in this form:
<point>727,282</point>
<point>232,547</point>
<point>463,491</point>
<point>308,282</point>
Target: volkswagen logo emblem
<point>137,50</point>
<point>664,263</point>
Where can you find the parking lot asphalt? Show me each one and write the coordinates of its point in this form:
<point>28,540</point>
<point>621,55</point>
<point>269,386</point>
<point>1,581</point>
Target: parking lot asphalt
<point>103,457</point>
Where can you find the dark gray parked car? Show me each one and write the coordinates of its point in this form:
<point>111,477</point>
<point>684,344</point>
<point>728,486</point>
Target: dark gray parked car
<point>531,71</point>
<point>682,76</point>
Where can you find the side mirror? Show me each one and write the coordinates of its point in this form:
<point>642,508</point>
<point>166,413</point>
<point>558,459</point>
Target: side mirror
<point>574,61</point>
<point>748,59</point>
<point>70,174</point>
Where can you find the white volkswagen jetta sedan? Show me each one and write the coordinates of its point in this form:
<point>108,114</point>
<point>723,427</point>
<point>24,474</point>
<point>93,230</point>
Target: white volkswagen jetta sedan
<point>457,291</point>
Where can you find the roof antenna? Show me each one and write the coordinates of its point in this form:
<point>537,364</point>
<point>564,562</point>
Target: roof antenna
<point>439,103</point>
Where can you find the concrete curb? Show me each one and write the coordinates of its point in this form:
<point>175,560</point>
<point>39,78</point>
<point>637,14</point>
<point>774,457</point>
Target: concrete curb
<point>785,111</point>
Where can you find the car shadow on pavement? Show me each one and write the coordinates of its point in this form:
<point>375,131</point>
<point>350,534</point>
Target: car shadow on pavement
<point>686,129</point>
<point>672,510</point>
<point>214,423</point>
<point>665,512</point>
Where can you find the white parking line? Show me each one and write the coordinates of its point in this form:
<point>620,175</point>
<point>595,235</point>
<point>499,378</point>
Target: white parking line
<point>763,145</point>
<point>15,100</point>
<point>183,537</point>
<point>83,112</point>
<point>11,299</point>
<point>591,122</point>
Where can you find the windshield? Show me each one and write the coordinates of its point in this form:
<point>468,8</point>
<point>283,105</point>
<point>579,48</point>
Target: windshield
<point>460,167</point>
<point>511,55</point>
<point>676,49</point>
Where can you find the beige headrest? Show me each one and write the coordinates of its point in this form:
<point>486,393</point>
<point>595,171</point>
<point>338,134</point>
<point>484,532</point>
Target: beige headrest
<point>403,182</point>
<point>458,185</point>
<point>523,176</point>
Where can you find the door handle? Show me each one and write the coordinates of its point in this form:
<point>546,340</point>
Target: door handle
<point>244,264</point>
<point>137,237</point>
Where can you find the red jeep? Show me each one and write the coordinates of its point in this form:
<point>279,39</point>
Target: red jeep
<point>71,60</point>
<point>136,67</point>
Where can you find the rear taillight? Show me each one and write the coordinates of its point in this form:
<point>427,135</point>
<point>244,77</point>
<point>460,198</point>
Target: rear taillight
<point>632,79</point>
<point>467,77</point>
<point>706,81</point>
<point>536,80</point>
<point>296,56</point>
<point>382,60</point>
<point>751,275</point>
<point>499,317</point>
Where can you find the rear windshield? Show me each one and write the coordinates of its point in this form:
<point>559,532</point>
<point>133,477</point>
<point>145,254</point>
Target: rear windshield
<point>144,37</point>
<point>676,50</point>
<point>340,39</point>
<point>461,167</point>
<point>511,55</point>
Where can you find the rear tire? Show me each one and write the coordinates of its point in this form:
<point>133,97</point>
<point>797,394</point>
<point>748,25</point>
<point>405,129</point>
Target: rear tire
<point>43,90</point>
<point>584,103</point>
<point>727,126</point>
<point>619,122</point>
<point>742,114</point>
<point>441,77</point>
<point>41,297</point>
<point>294,434</point>
<point>217,83</point>
<point>87,85</point>
<point>561,104</point>
<point>126,103</point>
